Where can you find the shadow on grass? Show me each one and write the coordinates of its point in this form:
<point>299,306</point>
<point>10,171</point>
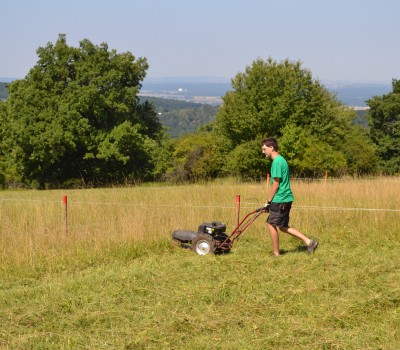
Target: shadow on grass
<point>298,249</point>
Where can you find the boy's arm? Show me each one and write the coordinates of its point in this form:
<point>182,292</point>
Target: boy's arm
<point>274,189</point>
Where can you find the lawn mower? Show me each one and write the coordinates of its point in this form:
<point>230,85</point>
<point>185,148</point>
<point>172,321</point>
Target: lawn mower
<point>211,237</point>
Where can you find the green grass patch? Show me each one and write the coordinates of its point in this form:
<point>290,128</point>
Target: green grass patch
<point>152,294</point>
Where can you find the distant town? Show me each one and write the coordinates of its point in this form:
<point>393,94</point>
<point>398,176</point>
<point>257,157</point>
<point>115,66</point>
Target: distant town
<point>171,95</point>
<point>353,95</point>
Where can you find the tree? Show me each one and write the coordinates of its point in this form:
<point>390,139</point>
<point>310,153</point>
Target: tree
<point>270,95</point>
<point>246,161</point>
<point>307,155</point>
<point>195,157</point>
<point>384,122</point>
<point>284,101</point>
<point>77,115</point>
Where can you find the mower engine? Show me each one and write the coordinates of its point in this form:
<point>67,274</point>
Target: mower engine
<point>208,238</point>
<point>214,228</point>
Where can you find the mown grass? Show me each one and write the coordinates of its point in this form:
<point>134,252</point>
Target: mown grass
<point>115,280</point>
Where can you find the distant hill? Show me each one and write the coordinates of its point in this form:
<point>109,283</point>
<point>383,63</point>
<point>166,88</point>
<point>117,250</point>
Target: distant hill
<point>182,117</point>
<point>7,80</point>
<point>353,94</point>
<point>209,90</point>
<point>3,91</point>
<point>186,89</point>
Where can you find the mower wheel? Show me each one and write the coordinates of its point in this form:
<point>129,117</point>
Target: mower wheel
<point>203,244</point>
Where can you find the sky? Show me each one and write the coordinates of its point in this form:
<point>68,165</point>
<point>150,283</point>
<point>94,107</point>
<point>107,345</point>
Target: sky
<point>337,40</point>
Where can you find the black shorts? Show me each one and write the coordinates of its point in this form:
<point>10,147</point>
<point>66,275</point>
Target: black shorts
<point>279,214</point>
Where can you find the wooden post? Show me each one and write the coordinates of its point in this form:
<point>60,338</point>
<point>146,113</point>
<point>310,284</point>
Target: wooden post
<point>237,209</point>
<point>65,207</point>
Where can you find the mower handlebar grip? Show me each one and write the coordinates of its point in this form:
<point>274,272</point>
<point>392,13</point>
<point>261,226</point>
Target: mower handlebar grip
<point>260,209</point>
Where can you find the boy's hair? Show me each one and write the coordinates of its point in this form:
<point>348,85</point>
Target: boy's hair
<point>270,142</point>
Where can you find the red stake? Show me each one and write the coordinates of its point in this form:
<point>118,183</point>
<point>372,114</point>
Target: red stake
<point>237,209</point>
<point>65,201</point>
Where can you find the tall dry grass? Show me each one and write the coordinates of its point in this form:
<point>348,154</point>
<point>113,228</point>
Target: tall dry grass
<point>32,223</point>
<point>114,280</point>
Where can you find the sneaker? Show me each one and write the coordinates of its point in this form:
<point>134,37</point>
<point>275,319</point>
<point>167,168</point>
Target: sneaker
<point>312,246</point>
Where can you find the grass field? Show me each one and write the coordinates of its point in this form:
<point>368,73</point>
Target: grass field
<point>114,279</point>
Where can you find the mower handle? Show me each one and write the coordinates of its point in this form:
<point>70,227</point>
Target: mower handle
<point>260,209</point>
<point>243,225</point>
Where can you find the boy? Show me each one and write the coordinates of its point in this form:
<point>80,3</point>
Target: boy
<point>280,198</point>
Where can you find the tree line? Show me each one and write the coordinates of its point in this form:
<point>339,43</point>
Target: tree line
<point>76,120</point>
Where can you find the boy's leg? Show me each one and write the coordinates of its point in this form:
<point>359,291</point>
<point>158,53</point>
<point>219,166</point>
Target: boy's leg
<point>296,233</point>
<point>274,237</point>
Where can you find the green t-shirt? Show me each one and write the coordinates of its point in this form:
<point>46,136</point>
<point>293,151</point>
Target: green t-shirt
<point>280,169</point>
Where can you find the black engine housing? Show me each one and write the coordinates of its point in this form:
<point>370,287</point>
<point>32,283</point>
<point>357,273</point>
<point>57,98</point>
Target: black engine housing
<point>213,228</point>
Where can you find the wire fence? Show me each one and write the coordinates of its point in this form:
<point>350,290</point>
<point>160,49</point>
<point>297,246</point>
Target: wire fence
<point>243,205</point>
